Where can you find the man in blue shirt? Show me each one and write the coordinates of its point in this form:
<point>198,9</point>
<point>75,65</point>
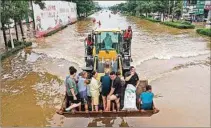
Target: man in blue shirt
<point>106,86</point>
<point>146,98</point>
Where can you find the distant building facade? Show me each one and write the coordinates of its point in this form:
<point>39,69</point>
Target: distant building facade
<point>196,10</point>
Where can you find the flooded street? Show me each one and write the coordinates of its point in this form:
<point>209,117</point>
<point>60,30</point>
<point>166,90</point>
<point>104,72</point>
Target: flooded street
<point>176,63</point>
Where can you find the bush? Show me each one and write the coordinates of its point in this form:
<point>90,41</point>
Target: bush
<point>153,20</point>
<point>178,25</point>
<point>16,43</point>
<point>204,31</point>
<point>186,22</point>
<point>14,50</point>
<point>150,19</point>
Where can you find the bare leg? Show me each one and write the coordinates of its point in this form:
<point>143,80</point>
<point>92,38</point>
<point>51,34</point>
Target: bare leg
<point>109,99</point>
<point>117,104</point>
<point>96,108</point>
<point>92,106</point>
<point>108,108</point>
<point>104,102</point>
<point>73,106</point>
<point>86,107</point>
<point>80,107</point>
<point>113,107</point>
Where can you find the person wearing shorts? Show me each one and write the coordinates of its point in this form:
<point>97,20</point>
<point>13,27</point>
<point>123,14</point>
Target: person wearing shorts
<point>82,88</point>
<point>146,100</point>
<point>71,90</point>
<point>106,86</point>
<point>95,91</point>
<point>115,93</point>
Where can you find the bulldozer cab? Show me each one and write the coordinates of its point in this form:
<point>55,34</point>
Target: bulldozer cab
<point>107,52</point>
<point>107,40</point>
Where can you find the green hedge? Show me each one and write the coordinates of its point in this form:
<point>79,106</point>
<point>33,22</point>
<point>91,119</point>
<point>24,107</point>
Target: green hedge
<point>204,31</point>
<point>186,22</point>
<point>54,31</point>
<point>16,43</point>
<point>149,18</point>
<point>14,50</point>
<point>179,25</point>
<point>153,20</point>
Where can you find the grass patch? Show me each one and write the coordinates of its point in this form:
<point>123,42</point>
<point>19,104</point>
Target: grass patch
<point>204,31</point>
<point>180,25</point>
<point>14,50</point>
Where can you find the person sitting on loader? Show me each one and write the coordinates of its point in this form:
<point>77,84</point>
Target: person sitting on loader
<point>89,43</point>
<point>131,77</point>
<point>115,91</point>
<point>146,100</point>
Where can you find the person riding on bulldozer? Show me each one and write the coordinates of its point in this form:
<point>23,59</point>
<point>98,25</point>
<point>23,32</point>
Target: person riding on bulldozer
<point>127,38</point>
<point>90,43</point>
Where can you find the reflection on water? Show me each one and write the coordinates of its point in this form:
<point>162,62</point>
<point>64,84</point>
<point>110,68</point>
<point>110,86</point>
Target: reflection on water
<point>106,122</point>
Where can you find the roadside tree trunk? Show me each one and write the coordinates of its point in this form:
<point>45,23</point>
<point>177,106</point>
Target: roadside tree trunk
<point>16,30</point>
<point>4,35</point>
<point>11,37</point>
<point>21,27</point>
<point>163,17</point>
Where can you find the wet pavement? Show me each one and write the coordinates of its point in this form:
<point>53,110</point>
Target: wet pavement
<point>176,63</point>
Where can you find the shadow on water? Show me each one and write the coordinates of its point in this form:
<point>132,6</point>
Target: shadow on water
<point>106,122</point>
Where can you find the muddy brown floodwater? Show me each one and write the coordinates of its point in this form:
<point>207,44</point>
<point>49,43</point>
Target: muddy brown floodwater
<point>176,63</point>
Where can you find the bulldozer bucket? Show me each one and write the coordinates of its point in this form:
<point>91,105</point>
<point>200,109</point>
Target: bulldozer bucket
<point>110,114</point>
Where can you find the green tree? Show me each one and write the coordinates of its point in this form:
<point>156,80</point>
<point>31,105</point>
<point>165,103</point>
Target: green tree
<point>17,11</point>
<point>84,6</point>
<point>177,9</point>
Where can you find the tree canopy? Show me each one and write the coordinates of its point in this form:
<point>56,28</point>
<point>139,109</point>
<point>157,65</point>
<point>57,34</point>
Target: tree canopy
<point>139,7</point>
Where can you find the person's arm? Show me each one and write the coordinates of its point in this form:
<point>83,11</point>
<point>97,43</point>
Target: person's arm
<point>73,93</point>
<point>137,83</point>
<point>71,84</point>
<point>128,77</point>
<point>112,91</point>
<point>140,98</point>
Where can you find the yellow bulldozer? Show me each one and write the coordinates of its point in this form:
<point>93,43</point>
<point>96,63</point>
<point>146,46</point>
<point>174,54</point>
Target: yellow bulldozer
<point>109,52</point>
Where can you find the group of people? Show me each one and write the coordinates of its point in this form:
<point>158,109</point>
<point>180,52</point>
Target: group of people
<point>93,94</point>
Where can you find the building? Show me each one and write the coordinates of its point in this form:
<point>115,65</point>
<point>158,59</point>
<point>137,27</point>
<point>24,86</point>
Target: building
<point>196,10</point>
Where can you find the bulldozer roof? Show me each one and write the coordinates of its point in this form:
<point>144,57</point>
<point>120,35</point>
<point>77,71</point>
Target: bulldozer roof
<point>108,30</point>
